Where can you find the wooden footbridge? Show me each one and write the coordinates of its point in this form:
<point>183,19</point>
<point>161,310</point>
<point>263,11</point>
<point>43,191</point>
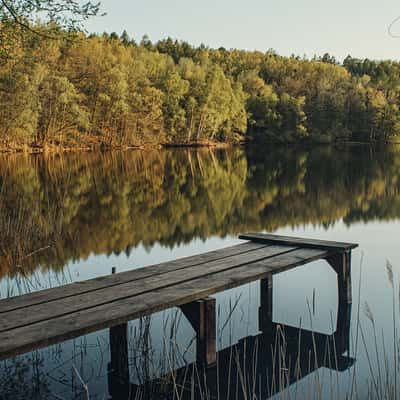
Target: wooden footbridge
<point>36,320</point>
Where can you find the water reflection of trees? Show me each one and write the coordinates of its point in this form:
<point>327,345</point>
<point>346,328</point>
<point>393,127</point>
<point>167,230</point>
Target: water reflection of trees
<point>23,378</point>
<point>55,209</point>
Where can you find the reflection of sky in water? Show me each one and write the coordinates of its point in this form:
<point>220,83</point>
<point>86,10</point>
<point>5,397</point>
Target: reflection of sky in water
<point>293,292</point>
<point>292,305</point>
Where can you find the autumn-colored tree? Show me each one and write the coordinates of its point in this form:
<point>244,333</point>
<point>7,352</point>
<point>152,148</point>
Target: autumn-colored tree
<point>107,90</point>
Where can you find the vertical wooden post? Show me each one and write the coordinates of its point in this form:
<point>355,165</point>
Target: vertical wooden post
<point>341,263</point>
<point>202,316</point>
<point>265,310</point>
<point>118,368</point>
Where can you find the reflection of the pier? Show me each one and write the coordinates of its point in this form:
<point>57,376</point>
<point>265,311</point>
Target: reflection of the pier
<point>257,366</point>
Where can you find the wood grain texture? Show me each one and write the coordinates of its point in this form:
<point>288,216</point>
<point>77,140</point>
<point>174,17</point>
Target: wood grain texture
<point>77,288</point>
<point>27,338</point>
<point>108,295</point>
<point>295,241</point>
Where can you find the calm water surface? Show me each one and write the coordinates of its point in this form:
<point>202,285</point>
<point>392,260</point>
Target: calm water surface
<point>74,217</point>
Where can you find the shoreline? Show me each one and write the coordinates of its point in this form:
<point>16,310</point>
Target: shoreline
<point>59,149</point>
<point>55,148</point>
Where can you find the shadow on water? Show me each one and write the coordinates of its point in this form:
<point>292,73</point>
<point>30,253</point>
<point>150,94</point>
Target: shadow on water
<point>257,367</point>
<point>130,365</point>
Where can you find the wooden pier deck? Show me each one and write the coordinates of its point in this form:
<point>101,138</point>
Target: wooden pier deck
<point>51,316</point>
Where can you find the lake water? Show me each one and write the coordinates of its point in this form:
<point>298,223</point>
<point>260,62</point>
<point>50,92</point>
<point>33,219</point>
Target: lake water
<point>72,217</point>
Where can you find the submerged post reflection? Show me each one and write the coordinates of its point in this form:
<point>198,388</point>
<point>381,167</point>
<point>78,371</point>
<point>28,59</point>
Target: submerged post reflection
<point>261,365</point>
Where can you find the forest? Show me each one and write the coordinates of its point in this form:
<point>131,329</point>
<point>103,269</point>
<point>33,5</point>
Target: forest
<point>71,89</point>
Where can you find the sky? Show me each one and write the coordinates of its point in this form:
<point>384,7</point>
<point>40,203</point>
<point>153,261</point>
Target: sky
<point>300,27</point>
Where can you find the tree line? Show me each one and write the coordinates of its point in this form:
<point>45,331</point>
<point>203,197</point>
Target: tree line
<point>87,90</point>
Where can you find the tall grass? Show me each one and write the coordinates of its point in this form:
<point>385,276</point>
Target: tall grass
<point>278,364</point>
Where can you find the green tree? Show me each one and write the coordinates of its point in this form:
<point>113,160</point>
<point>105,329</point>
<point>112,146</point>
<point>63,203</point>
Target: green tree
<point>65,13</point>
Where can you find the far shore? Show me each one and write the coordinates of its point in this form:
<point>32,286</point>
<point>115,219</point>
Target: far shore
<point>61,148</point>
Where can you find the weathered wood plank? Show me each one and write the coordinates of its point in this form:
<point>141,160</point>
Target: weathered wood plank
<point>20,340</point>
<point>295,241</point>
<point>78,288</point>
<point>56,308</point>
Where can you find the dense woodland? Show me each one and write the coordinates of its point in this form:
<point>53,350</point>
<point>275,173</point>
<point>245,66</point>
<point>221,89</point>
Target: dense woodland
<point>59,88</point>
<point>58,209</point>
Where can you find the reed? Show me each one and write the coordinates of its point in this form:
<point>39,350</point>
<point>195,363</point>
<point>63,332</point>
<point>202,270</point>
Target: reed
<point>277,364</point>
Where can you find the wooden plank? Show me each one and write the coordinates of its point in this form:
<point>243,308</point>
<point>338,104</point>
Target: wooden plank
<point>78,288</point>
<point>56,308</point>
<point>295,241</point>
<point>20,340</point>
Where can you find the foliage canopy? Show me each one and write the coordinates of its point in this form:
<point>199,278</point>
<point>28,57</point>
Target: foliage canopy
<point>109,90</point>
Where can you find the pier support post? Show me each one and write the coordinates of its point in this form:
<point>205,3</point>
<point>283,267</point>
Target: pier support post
<point>265,310</point>
<point>118,368</point>
<point>202,316</point>
<point>341,263</point>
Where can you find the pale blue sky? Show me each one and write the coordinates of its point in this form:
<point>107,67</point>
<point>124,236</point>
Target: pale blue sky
<point>340,27</point>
